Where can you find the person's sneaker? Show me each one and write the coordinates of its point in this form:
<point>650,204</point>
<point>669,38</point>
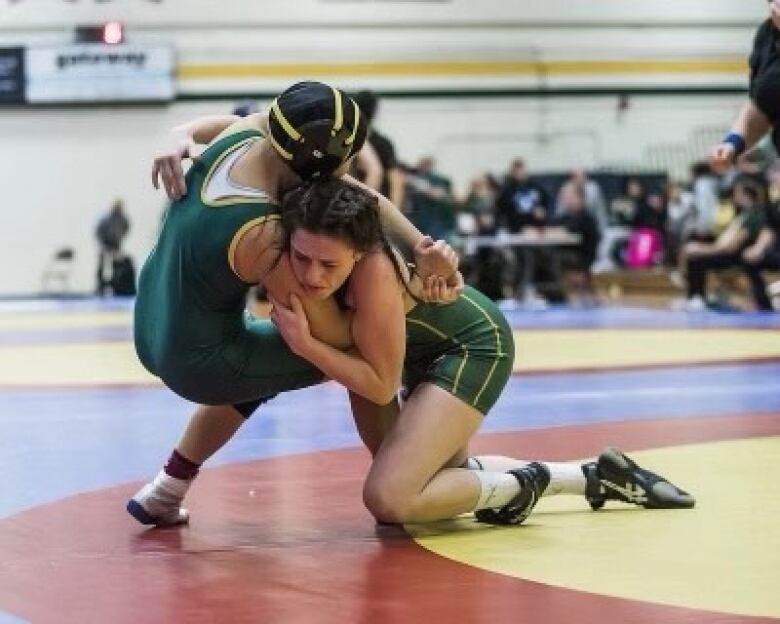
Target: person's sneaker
<point>159,503</point>
<point>534,479</point>
<point>616,477</point>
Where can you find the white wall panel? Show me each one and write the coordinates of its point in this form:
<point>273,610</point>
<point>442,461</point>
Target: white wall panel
<point>63,167</point>
<point>178,13</point>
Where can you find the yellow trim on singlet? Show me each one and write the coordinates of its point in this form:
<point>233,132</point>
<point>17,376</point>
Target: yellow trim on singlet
<point>498,346</point>
<point>231,252</point>
<point>228,200</point>
<point>441,334</point>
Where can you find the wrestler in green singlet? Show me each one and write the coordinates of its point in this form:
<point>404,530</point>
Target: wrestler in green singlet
<point>191,329</point>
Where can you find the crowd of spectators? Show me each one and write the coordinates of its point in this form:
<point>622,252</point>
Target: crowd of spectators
<point>617,221</point>
<point>622,222</point>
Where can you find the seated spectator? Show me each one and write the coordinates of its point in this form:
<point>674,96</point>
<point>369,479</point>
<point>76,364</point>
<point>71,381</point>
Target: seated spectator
<point>625,207</point>
<point>523,203</point>
<point>485,269</point>
<point>749,197</point>
<point>596,205</point>
<point>651,213</point>
<point>623,211</point>
<point>577,261</point>
<point>594,198</point>
<point>763,255</point>
<point>680,216</point>
<point>706,191</point>
<point>481,203</point>
<point>646,241</point>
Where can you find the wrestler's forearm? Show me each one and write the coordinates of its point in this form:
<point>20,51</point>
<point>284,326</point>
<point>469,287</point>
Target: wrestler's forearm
<point>751,124</point>
<point>328,323</point>
<point>352,371</point>
<point>204,129</point>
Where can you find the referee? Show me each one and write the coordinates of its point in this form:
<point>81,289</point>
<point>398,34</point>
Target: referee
<point>761,113</point>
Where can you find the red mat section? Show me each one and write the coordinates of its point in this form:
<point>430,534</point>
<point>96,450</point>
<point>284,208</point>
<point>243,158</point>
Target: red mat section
<point>288,540</point>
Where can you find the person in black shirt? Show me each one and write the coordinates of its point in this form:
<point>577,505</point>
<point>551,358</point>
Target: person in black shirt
<point>392,179</point>
<point>110,233</point>
<point>521,202</point>
<point>761,113</point>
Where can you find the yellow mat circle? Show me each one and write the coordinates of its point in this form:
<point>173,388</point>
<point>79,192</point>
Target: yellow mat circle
<point>724,555</point>
<point>546,350</point>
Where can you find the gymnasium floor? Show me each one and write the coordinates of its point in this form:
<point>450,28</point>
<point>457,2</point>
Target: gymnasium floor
<point>278,531</point>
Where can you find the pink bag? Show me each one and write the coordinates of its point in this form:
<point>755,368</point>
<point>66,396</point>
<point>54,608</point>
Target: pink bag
<point>644,248</point>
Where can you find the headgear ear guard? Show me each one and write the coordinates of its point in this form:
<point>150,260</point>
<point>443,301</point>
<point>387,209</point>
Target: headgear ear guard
<point>308,129</point>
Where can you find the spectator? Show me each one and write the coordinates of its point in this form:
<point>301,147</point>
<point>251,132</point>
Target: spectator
<point>626,206</point>
<point>763,254</point>
<point>680,216</point>
<point>577,261</point>
<point>651,213</point>
<point>111,231</point>
<point>521,202</point>
<point>244,108</point>
<point>480,202</point>
<point>706,191</point>
<point>485,270</point>
<point>380,151</point>
<point>624,210</point>
<point>594,197</point>
<point>742,233</point>
<point>431,204</point>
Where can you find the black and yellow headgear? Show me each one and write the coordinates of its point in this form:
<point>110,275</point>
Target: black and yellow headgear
<point>315,128</point>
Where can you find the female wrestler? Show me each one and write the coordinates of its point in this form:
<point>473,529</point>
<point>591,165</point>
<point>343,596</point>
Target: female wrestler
<point>222,235</point>
<point>456,360</point>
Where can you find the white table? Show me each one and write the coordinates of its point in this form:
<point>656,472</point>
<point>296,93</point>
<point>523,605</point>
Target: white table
<point>526,240</point>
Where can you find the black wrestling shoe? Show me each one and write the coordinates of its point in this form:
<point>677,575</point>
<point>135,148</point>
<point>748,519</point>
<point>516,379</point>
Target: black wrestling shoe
<point>534,479</point>
<point>615,477</point>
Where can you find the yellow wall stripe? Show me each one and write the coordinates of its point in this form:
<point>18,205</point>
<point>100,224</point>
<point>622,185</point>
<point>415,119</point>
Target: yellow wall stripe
<point>728,65</point>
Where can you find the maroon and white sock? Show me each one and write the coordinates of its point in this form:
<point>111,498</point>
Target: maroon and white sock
<point>179,467</point>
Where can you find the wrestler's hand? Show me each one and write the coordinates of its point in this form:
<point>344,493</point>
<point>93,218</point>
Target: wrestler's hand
<point>166,167</point>
<point>435,258</point>
<point>440,290</point>
<point>292,324</point>
<point>722,157</point>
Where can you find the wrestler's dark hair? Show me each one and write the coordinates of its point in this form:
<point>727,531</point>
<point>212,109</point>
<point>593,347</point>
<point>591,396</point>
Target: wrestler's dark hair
<point>315,128</point>
<point>339,210</point>
<point>336,209</point>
